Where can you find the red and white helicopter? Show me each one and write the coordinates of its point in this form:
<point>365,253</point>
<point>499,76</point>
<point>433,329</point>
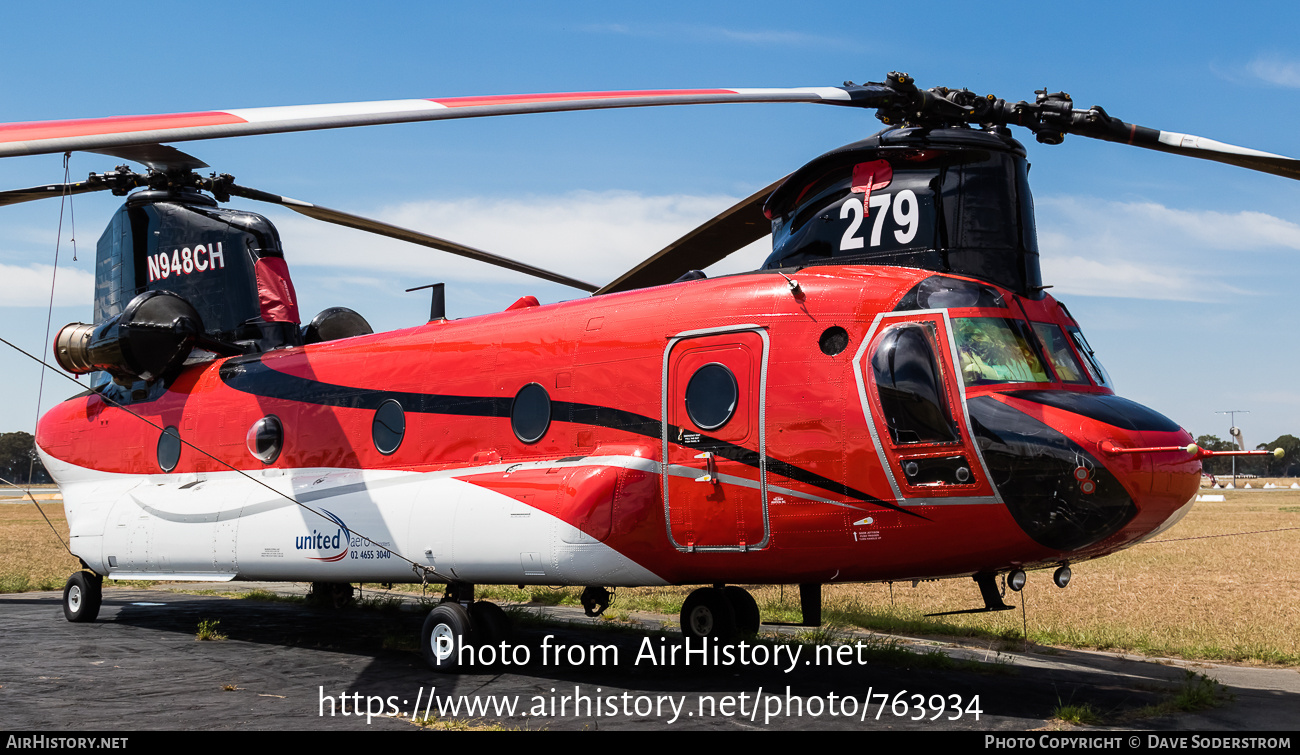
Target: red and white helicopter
<point>892,396</point>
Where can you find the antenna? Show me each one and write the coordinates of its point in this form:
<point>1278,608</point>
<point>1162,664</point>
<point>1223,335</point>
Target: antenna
<point>1237,437</point>
<point>438,304</point>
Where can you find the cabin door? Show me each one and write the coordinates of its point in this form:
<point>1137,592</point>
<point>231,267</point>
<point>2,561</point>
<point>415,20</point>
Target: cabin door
<point>915,403</point>
<point>714,472</point>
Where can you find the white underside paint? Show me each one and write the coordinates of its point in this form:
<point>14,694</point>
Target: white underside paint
<point>273,525</point>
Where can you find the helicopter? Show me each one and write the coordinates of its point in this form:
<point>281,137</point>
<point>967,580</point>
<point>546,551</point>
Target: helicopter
<point>893,395</point>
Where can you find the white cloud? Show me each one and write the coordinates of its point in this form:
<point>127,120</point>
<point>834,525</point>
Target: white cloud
<point>29,286</point>
<point>1090,247</point>
<point>1276,70</point>
<point>590,236</point>
<point>1145,250</point>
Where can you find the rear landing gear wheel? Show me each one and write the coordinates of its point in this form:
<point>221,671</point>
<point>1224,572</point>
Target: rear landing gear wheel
<point>744,608</point>
<point>82,596</point>
<point>491,624</point>
<point>331,594</point>
<point>708,613</point>
<point>446,630</point>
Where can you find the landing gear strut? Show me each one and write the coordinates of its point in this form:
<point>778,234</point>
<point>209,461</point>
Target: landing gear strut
<point>595,600</point>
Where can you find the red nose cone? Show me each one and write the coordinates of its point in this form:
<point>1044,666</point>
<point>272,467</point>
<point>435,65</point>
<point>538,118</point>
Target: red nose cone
<point>1066,484</point>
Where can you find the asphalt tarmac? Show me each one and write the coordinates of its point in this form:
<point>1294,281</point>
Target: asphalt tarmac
<point>289,666</point>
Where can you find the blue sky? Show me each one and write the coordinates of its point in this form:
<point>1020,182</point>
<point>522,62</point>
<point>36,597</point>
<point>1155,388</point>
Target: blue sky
<point>1184,273</point>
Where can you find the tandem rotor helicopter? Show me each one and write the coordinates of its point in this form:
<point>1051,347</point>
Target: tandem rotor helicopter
<point>893,395</point>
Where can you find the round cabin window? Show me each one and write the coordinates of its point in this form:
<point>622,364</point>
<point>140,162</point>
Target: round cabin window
<point>169,449</point>
<point>711,396</point>
<point>834,340</point>
<point>389,427</point>
<point>265,439</point>
<point>530,415</point>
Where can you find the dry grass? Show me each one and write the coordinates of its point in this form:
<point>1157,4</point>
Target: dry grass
<point>31,557</point>
<point>1217,598</point>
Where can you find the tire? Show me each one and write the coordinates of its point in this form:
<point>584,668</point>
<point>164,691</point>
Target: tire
<point>82,596</point>
<point>491,624</point>
<point>708,613</point>
<point>446,630</point>
<point>744,608</point>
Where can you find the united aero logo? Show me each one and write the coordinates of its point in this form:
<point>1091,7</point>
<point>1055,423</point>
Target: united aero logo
<point>326,541</point>
<point>185,261</point>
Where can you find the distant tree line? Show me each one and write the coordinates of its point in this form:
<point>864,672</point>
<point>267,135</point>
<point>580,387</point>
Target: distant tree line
<point>1262,466</point>
<point>19,463</point>
<point>18,458</point>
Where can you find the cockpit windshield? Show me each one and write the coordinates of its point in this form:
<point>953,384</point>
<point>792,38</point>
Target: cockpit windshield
<point>997,350</point>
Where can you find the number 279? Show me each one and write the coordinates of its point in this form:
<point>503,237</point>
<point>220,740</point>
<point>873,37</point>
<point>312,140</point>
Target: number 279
<point>906,214</point>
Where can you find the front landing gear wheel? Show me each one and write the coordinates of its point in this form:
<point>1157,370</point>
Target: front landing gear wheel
<point>708,613</point>
<point>446,630</point>
<point>595,600</point>
<point>744,608</point>
<point>82,596</point>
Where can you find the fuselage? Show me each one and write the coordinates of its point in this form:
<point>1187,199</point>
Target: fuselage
<point>747,429</point>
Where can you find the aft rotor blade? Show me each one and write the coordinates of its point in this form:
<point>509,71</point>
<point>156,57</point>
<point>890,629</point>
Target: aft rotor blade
<point>730,231</point>
<point>156,156</point>
<point>41,137</point>
<point>381,228</point>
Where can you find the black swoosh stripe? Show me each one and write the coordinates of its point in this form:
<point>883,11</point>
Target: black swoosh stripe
<point>250,375</point>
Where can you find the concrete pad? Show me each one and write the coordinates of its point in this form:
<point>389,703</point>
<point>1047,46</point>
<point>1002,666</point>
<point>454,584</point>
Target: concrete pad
<point>285,666</point>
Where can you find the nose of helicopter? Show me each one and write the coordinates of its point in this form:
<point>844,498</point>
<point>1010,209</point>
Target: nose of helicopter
<point>1051,456</point>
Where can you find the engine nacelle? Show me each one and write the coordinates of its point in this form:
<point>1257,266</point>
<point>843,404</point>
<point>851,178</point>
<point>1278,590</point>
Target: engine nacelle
<point>149,340</point>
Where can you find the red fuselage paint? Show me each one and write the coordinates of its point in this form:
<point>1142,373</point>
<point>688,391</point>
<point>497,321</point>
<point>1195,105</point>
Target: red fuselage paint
<point>830,512</point>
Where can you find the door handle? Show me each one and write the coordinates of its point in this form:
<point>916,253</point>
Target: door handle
<point>710,468</point>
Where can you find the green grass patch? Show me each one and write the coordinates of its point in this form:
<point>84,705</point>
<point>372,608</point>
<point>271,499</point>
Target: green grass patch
<point>1196,692</point>
<point>381,602</point>
<point>459,724</point>
<point>208,631</point>
<point>266,596</point>
<point>402,641</point>
<point>1079,715</point>
<point>24,583</point>
<point>1200,692</point>
<point>1103,637</point>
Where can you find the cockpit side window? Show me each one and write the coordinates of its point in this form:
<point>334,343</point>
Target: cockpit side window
<point>1098,373</point>
<point>910,386</point>
<point>997,350</point>
<point>1057,348</point>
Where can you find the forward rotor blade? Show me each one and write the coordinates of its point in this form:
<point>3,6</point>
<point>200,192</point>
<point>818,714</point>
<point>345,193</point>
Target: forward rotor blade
<point>18,196</point>
<point>41,137</point>
<point>404,234</point>
<point>1096,124</point>
<point>730,231</point>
